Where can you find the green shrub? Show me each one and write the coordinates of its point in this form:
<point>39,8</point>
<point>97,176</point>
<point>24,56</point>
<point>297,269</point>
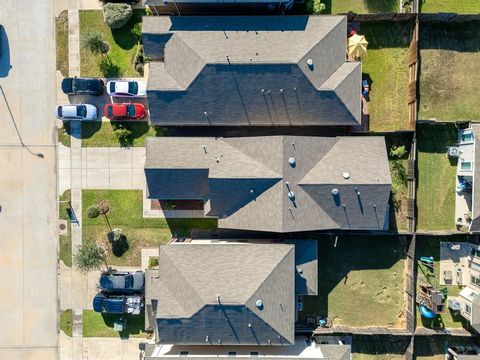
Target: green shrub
<point>139,68</point>
<point>115,235</point>
<point>93,211</point>
<point>123,135</point>
<point>137,31</point>
<point>315,6</point>
<point>148,11</point>
<point>117,15</point>
<point>152,262</point>
<point>398,152</point>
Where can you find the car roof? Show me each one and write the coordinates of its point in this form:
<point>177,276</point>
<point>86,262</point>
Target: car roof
<point>69,110</point>
<point>116,280</point>
<point>119,109</point>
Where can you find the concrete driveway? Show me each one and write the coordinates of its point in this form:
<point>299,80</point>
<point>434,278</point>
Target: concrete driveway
<point>28,216</point>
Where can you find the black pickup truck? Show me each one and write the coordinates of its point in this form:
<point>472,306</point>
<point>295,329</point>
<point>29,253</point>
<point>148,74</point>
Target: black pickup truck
<point>83,86</point>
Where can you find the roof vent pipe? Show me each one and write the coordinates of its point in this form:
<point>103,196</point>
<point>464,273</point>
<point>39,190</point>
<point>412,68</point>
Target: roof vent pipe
<point>310,62</point>
<point>346,175</point>
<point>291,161</point>
<point>335,192</point>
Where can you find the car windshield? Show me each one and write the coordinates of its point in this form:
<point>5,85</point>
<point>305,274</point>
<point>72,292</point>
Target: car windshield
<point>128,281</point>
<point>132,87</point>
<point>82,111</point>
<point>131,110</point>
<point>59,111</point>
<point>112,87</point>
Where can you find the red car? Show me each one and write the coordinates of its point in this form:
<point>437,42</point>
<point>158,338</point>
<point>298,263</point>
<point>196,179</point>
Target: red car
<point>124,111</point>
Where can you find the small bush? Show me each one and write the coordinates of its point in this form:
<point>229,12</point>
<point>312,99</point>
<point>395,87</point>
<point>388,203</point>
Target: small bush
<point>93,211</point>
<point>117,15</point>
<point>152,262</point>
<point>397,152</point>
<point>139,68</point>
<point>123,135</point>
<point>315,7</point>
<point>148,11</point>
<point>137,31</point>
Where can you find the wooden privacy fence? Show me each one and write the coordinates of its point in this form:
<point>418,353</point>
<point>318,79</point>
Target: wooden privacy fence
<point>448,17</point>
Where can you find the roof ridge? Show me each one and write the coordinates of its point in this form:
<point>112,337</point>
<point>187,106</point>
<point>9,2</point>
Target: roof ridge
<point>253,159</point>
<point>299,182</point>
<point>172,262</point>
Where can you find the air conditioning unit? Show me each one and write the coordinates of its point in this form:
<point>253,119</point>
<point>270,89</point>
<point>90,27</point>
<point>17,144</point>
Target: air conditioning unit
<point>452,151</point>
<point>454,304</point>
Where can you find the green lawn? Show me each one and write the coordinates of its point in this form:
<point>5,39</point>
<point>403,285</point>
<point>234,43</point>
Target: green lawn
<point>101,325</point>
<point>361,281</point>
<point>66,322</point>
<point>386,68</point>
<point>98,134</point>
<point>435,177</point>
<point>65,240</point>
<point>61,29</point>
<point>450,71</point>
<point>430,246</point>
<point>362,6</point>
<point>64,134</point>
<point>126,213</point>
<point>450,6</point>
<point>123,46</point>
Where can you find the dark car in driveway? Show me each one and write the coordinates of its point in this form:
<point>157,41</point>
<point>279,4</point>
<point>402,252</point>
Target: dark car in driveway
<point>122,282</point>
<point>83,86</point>
<point>118,304</point>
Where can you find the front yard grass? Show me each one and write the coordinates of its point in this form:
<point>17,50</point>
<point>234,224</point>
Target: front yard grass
<point>126,212</point>
<point>65,247</point>
<point>66,322</point>
<point>61,29</point>
<point>450,71</point>
<point>101,325</point>
<point>430,246</point>
<point>98,134</point>
<point>449,6</point>
<point>385,67</point>
<point>123,46</point>
<point>435,177</point>
<point>360,281</point>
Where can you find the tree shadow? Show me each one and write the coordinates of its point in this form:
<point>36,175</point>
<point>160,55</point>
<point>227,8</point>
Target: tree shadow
<point>123,37</point>
<point>109,69</point>
<point>120,247</point>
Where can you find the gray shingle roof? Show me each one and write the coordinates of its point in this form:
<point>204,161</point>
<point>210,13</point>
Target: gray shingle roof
<point>475,225</point>
<point>245,181</point>
<point>251,71</point>
<point>306,263</point>
<point>476,313</point>
<point>199,287</point>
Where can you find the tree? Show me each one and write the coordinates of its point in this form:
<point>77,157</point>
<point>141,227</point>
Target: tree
<point>117,15</point>
<point>89,257</point>
<point>93,40</point>
<point>315,6</point>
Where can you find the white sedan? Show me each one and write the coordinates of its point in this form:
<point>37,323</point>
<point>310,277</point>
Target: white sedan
<point>76,112</point>
<point>126,88</point>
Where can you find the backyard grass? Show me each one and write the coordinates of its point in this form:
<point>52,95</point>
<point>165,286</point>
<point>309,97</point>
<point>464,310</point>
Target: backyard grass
<point>101,325</point>
<point>435,177</point>
<point>126,212</point>
<point>450,6</point>
<point>360,281</point>
<point>66,322</point>
<point>386,69</point>
<point>123,46</point>
<point>450,71</point>
<point>98,134</point>
<point>61,28</point>
<point>430,246</point>
<point>362,6</point>
<point>65,240</point>
<point>64,134</point>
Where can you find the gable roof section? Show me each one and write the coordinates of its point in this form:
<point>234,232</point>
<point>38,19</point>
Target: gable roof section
<point>249,180</point>
<point>197,283</point>
<point>255,66</point>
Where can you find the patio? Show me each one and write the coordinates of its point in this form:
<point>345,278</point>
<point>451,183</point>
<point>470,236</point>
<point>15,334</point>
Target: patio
<point>454,263</point>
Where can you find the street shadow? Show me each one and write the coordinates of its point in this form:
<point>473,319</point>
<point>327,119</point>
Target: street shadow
<point>5,65</point>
